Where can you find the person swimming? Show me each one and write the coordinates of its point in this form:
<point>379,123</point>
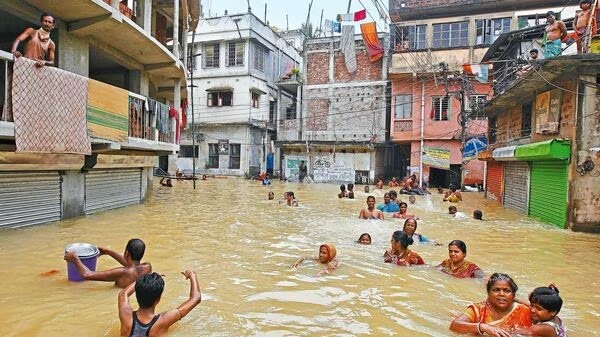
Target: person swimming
<point>364,239</point>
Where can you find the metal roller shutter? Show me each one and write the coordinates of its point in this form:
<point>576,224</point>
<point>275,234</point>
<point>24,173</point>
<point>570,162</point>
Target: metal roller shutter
<point>549,184</point>
<point>516,186</point>
<point>29,198</point>
<point>495,181</point>
<point>108,189</point>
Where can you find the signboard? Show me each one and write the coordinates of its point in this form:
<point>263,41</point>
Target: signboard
<point>547,111</point>
<point>439,158</point>
<point>473,146</point>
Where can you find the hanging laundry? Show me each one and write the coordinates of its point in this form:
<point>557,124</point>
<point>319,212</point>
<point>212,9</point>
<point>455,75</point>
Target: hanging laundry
<point>356,16</point>
<point>348,48</point>
<point>479,70</point>
<point>371,40</point>
<point>332,26</point>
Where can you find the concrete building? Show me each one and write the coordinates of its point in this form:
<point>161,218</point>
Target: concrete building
<point>79,137</point>
<point>544,127</point>
<point>236,95</point>
<point>429,109</point>
<point>340,130</point>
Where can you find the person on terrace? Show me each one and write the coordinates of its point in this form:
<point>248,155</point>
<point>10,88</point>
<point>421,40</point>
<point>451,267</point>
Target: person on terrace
<point>39,47</point>
<point>555,32</point>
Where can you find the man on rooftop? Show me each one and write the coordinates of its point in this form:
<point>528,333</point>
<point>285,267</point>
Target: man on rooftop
<point>555,32</point>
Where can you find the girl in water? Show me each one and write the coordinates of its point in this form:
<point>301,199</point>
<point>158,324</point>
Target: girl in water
<point>364,239</point>
<point>327,254</point>
<point>544,305</point>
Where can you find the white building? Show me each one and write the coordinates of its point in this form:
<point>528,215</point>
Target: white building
<point>236,97</point>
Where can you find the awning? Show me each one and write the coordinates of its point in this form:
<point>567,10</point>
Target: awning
<point>504,153</point>
<point>553,149</point>
<point>257,91</point>
<point>485,155</point>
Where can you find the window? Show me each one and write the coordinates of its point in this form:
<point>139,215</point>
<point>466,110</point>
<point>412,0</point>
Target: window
<point>440,108</point>
<point>272,112</point>
<point>475,105</point>
<point>526,120</point>
<point>210,55</point>
<point>259,58</point>
<point>488,30</point>
<point>220,98</point>
<point>213,155</point>
<point>410,37</point>
<point>188,151</point>
<point>403,106</point>
<point>235,54</point>
<point>290,111</point>
<point>255,99</point>
<point>454,34</point>
<point>234,156</point>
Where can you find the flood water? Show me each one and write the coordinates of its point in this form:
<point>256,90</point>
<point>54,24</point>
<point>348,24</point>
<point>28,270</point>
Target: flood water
<point>241,246</point>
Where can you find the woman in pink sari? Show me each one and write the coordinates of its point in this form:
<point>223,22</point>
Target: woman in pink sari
<point>499,315</point>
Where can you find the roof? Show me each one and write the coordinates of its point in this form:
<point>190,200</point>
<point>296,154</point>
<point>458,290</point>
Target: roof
<point>506,40</point>
<point>549,72</point>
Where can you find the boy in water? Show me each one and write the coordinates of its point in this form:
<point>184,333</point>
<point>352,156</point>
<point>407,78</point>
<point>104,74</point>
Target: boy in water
<point>452,210</point>
<point>351,191</point>
<point>370,212</point>
<point>148,290</point>
<point>122,276</point>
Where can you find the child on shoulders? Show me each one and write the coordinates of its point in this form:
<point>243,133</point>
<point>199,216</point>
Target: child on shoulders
<point>545,304</point>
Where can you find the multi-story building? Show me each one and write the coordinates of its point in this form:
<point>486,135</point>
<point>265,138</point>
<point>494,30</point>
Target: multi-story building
<point>433,113</point>
<point>81,137</point>
<point>243,75</point>
<point>544,134</point>
<point>340,131</point>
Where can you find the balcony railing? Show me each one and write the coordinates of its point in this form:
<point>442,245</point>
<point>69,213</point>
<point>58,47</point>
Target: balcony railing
<point>153,124</point>
<point>124,9</point>
<point>403,125</point>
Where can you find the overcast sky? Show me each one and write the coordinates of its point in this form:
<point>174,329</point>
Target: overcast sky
<point>296,10</point>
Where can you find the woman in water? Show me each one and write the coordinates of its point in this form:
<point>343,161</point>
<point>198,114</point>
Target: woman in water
<point>456,265</point>
<point>326,256</point>
<point>364,239</point>
<point>399,252</point>
<point>499,315</point>
<point>410,227</point>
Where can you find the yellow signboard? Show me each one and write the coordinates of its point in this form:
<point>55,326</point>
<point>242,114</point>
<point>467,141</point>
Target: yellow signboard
<point>439,158</point>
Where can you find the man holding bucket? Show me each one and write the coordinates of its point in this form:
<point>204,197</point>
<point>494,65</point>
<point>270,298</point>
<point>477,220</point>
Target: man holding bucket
<point>123,276</point>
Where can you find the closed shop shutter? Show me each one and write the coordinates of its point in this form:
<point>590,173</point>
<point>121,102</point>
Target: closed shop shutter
<point>108,189</point>
<point>549,192</point>
<point>494,181</point>
<point>29,198</point>
<point>516,185</point>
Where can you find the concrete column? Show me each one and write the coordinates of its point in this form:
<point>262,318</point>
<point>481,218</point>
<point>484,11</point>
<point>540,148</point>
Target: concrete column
<point>139,82</point>
<point>73,54</point>
<point>176,30</point>
<point>147,177</point>
<point>144,15</point>
<point>73,194</point>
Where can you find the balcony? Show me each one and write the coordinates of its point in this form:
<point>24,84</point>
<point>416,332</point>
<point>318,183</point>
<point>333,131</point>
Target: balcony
<point>403,129</point>
<point>115,119</point>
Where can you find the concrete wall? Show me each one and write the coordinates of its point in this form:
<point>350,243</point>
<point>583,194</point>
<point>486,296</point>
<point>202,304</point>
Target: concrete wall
<point>73,53</point>
<point>72,194</point>
<point>584,213</point>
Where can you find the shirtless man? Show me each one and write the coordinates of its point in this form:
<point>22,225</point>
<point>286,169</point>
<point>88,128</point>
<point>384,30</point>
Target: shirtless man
<point>122,276</point>
<point>452,195</point>
<point>581,22</point>
<point>370,212</point>
<point>39,46</point>
<point>555,32</point>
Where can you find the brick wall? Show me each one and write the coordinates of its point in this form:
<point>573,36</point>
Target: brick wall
<point>367,70</point>
<point>317,64</point>
<point>317,110</point>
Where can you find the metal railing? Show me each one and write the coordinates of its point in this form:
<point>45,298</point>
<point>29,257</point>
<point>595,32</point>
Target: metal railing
<point>5,74</point>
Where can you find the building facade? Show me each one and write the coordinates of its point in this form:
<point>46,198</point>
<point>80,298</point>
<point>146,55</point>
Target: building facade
<point>340,130</point>
<point>435,105</point>
<point>84,136</point>
<point>236,96</point>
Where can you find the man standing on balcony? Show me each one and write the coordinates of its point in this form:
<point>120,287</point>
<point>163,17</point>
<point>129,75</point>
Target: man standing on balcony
<point>555,32</point>
<point>39,47</point>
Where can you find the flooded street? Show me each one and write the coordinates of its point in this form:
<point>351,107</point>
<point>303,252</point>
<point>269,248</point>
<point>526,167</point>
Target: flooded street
<point>241,246</point>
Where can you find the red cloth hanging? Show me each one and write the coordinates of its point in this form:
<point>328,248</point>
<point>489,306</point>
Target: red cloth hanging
<point>371,40</point>
<point>173,113</point>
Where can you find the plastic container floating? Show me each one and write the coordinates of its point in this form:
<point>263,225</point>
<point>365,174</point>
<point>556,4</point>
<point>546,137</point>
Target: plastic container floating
<point>88,254</point>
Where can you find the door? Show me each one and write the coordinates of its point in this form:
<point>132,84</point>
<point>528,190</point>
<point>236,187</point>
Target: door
<point>108,189</point>
<point>29,198</point>
<point>516,185</point>
<point>494,181</point>
<point>549,192</point>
